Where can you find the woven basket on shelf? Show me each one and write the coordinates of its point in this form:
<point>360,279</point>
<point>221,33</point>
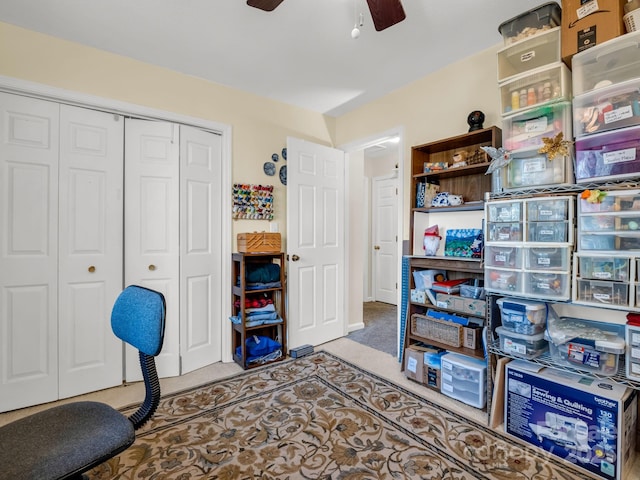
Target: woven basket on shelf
<point>441,331</point>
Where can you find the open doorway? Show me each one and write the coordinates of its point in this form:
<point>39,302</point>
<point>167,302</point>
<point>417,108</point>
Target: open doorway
<point>376,172</point>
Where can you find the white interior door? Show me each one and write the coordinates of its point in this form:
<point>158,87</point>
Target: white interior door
<point>90,265</point>
<point>315,243</point>
<point>29,132</point>
<point>200,248</point>
<point>385,238</point>
<point>152,228</point>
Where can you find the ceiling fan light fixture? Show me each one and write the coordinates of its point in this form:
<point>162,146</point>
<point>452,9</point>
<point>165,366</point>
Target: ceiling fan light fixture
<point>355,33</point>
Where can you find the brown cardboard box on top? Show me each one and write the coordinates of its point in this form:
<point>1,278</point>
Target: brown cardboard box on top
<point>589,23</point>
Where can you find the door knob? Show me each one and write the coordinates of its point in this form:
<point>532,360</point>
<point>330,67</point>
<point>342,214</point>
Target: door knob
<point>152,267</point>
<point>295,258</point>
<point>377,247</point>
<point>91,269</point>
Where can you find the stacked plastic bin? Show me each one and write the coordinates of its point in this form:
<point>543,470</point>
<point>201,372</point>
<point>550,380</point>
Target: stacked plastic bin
<point>523,326</point>
<point>535,92</point>
<point>606,110</point>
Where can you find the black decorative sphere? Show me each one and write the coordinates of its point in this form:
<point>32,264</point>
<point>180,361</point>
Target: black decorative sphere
<point>475,120</point>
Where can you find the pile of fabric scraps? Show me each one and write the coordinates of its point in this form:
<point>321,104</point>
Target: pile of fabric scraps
<point>258,311</point>
<point>262,276</point>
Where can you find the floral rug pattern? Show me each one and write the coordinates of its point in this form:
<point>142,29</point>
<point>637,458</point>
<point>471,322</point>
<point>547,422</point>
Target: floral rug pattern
<point>319,417</point>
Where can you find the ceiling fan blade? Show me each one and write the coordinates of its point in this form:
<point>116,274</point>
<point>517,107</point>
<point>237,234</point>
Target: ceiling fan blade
<point>386,13</point>
<point>266,5</point>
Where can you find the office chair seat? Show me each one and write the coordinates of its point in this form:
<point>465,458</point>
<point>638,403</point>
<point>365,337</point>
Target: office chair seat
<point>64,441</point>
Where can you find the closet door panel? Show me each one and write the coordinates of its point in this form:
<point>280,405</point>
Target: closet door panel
<point>28,251</point>
<point>91,252</point>
<point>200,256</point>
<point>152,228</point>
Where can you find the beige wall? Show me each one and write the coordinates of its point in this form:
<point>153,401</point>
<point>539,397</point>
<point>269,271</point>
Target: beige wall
<point>429,109</point>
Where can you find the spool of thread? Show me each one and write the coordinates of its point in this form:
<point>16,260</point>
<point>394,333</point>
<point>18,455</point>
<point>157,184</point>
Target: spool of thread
<point>515,100</point>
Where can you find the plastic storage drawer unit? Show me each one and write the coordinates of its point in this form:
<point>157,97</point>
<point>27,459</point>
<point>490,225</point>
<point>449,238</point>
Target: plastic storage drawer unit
<point>547,258</point>
<point>522,316</point>
<point>633,352</point>
<point>604,267</point>
<point>520,345</point>
<point>503,256</point>
<point>608,155</point>
<point>586,345</point>
<point>529,169</point>
<point>525,131</point>
<point>607,109</point>
<point>551,83</point>
<point>529,54</point>
<point>609,63</point>
<point>464,378</point>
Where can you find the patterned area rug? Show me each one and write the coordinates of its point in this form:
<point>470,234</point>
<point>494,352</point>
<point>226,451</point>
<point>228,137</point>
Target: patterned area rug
<point>319,417</point>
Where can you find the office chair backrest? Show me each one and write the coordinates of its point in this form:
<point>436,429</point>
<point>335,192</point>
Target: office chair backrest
<point>138,318</point>
<point>134,319</point>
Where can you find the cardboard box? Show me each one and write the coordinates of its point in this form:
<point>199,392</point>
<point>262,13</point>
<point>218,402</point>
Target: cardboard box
<point>585,24</point>
<point>259,242</point>
<point>413,364</point>
<point>587,421</point>
<point>418,296</point>
<point>472,337</point>
<point>460,304</point>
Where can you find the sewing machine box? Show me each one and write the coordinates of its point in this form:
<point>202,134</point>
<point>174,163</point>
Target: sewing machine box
<point>587,421</point>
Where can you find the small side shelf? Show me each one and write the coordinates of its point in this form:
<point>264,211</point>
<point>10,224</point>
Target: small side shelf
<point>268,268</point>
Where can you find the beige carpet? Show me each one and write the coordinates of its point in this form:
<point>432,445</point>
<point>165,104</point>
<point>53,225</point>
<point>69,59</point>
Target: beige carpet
<point>320,417</point>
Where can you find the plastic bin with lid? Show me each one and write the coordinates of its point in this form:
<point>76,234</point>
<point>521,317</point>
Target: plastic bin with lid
<point>521,345</point>
<point>609,155</point>
<point>609,63</point>
<point>532,22</point>
<point>585,344</point>
<point>525,130</point>
<point>549,83</point>
<point>522,316</point>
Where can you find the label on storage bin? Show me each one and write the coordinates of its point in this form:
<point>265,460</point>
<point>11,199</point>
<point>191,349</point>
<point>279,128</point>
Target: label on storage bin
<point>535,165</point>
<point>602,275</point>
<point>500,258</point>
<point>618,114</point>
<point>412,364</point>
<point>525,57</point>
<point>619,156</point>
<point>546,261</point>
<point>635,338</point>
<point>635,353</point>
<point>545,213</point>
<point>447,377</point>
<point>583,356</point>
<point>511,346</point>
<point>635,369</point>
<point>516,318</point>
<point>602,297</point>
<point>587,9</point>
<point>538,125</point>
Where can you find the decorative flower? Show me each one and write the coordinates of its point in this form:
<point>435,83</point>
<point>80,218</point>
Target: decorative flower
<point>555,146</point>
<point>499,158</point>
<point>593,196</point>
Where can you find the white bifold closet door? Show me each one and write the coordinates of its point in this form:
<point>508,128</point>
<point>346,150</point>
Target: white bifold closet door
<point>60,250</point>
<point>172,237</point>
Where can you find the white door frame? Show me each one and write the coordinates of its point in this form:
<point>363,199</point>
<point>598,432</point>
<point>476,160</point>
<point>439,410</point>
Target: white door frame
<point>361,144</point>
<point>46,92</point>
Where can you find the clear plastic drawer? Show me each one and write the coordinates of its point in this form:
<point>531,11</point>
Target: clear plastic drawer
<point>529,54</point>
<point>604,268</point>
<point>504,211</point>
<point>548,210</point>
<point>503,256</point>
<point>552,285</point>
<point>551,83</point>
<point>525,131</point>
<point>504,232</point>
<point>547,258</point>
<point>608,155</point>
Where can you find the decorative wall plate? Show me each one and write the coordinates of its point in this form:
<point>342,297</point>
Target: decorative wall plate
<point>269,168</point>
<point>274,157</point>
<point>284,153</point>
<point>283,174</point>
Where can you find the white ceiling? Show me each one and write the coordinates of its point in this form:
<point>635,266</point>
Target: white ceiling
<point>302,53</point>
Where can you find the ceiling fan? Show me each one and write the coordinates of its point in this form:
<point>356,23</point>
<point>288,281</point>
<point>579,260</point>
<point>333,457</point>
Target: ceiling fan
<point>385,13</point>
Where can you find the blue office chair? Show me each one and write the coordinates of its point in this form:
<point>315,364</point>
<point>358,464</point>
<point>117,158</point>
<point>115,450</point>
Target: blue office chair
<point>65,441</point>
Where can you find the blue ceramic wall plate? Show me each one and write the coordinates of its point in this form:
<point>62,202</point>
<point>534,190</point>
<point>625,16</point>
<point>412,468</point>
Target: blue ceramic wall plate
<point>283,174</point>
<point>269,168</point>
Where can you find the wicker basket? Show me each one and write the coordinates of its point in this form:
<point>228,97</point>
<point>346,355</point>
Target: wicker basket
<point>441,331</point>
<point>259,242</point>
